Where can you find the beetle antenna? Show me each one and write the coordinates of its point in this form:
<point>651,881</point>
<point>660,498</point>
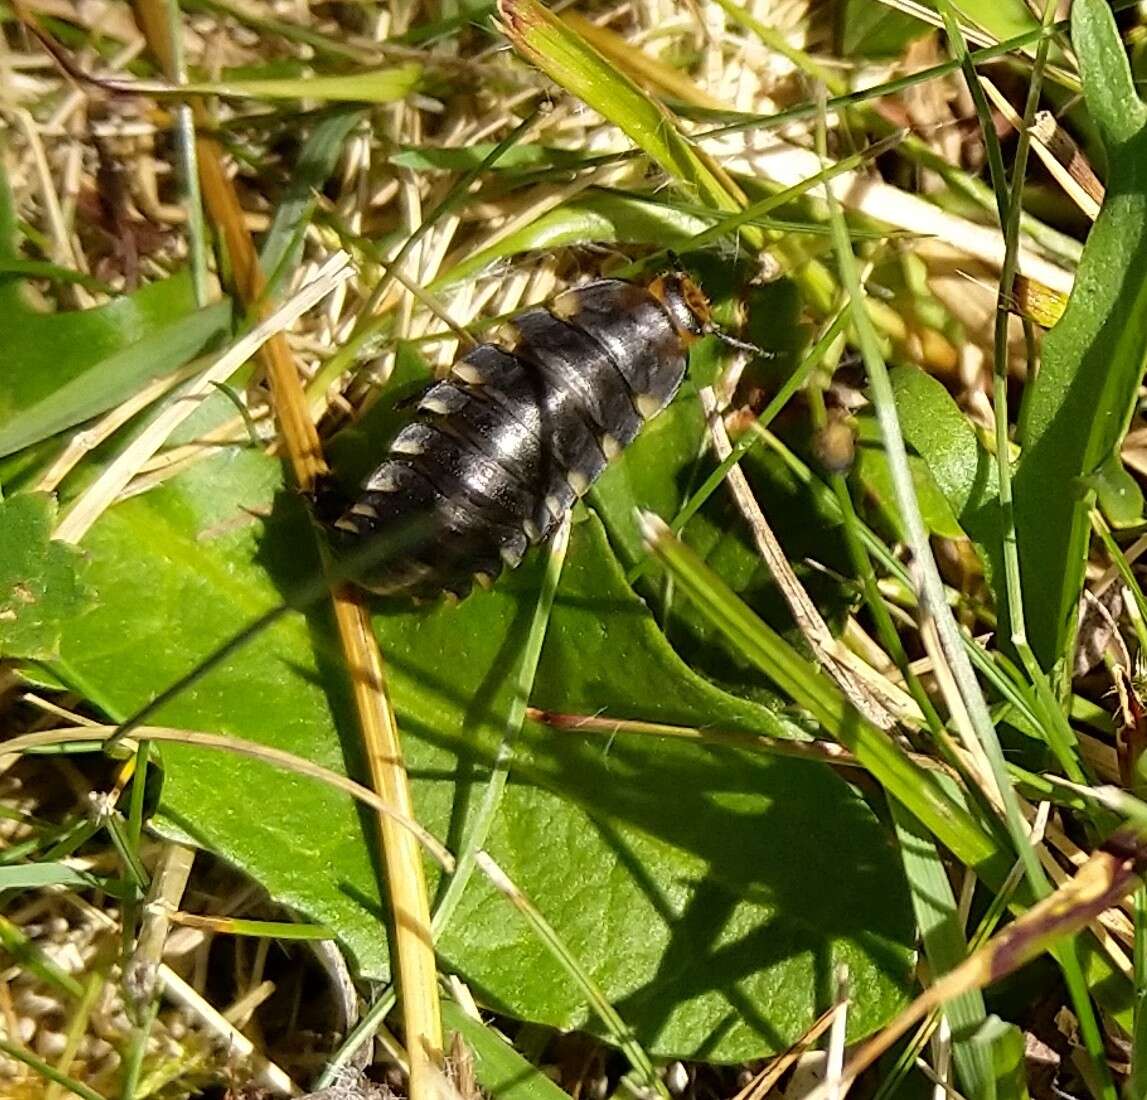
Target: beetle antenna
<point>740,345</point>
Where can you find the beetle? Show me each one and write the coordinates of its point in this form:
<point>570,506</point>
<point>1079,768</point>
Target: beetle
<point>520,429</point>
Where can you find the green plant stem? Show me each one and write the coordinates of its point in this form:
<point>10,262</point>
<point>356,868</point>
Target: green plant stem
<point>931,591</point>
<point>1137,1079</point>
<point>1058,731</point>
<point>813,357</point>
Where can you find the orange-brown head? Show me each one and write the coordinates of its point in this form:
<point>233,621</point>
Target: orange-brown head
<point>686,304</point>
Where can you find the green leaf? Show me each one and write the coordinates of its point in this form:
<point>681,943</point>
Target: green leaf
<point>283,244</point>
<point>367,86</point>
<point>571,62</point>
<point>1002,19</point>
<point>942,934</point>
<point>64,368</point>
<point>962,469</point>
<point>1003,1045</point>
<point>1076,411</point>
<point>434,158</point>
<point>872,472</point>
<point>35,876</point>
<point>40,580</point>
<point>710,893</point>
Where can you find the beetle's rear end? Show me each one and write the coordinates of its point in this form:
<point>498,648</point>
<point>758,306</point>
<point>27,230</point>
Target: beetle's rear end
<point>502,448</point>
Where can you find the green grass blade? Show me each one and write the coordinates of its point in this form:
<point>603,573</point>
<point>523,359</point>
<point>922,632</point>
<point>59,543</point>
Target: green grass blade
<point>619,1032</point>
<point>368,86</point>
<point>919,790</point>
<point>479,828</point>
<point>942,934</point>
<point>283,244</point>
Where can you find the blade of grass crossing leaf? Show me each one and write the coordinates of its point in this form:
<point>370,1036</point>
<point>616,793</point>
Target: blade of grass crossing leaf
<point>930,587</point>
<point>405,878</point>
<point>813,357</point>
<point>106,383</point>
<point>937,916</point>
<point>953,825</point>
<point>619,1032</point>
<point>479,829</point>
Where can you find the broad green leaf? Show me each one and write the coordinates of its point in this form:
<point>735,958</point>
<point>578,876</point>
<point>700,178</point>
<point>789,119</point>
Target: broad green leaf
<point>62,368</point>
<point>710,893</point>
<point>1076,411</point>
<point>872,473</point>
<point>40,581</point>
<point>58,369</point>
<point>368,86</point>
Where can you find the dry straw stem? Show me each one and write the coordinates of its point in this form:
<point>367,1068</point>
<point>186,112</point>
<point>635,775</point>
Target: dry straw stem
<point>761,1085</point>
<point>404,879</point>
<point>299,433</point>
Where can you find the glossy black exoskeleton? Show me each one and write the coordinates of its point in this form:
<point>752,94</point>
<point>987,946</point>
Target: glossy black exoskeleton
<point>521,428</point>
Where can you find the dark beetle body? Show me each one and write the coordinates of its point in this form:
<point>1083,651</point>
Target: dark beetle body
<point>519,430</point>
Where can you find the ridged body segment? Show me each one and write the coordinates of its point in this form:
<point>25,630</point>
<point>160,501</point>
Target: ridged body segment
<point>501,449</point>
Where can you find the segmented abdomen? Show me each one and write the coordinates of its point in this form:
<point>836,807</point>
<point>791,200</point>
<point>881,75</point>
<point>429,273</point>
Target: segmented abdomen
<point>502,448</point>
